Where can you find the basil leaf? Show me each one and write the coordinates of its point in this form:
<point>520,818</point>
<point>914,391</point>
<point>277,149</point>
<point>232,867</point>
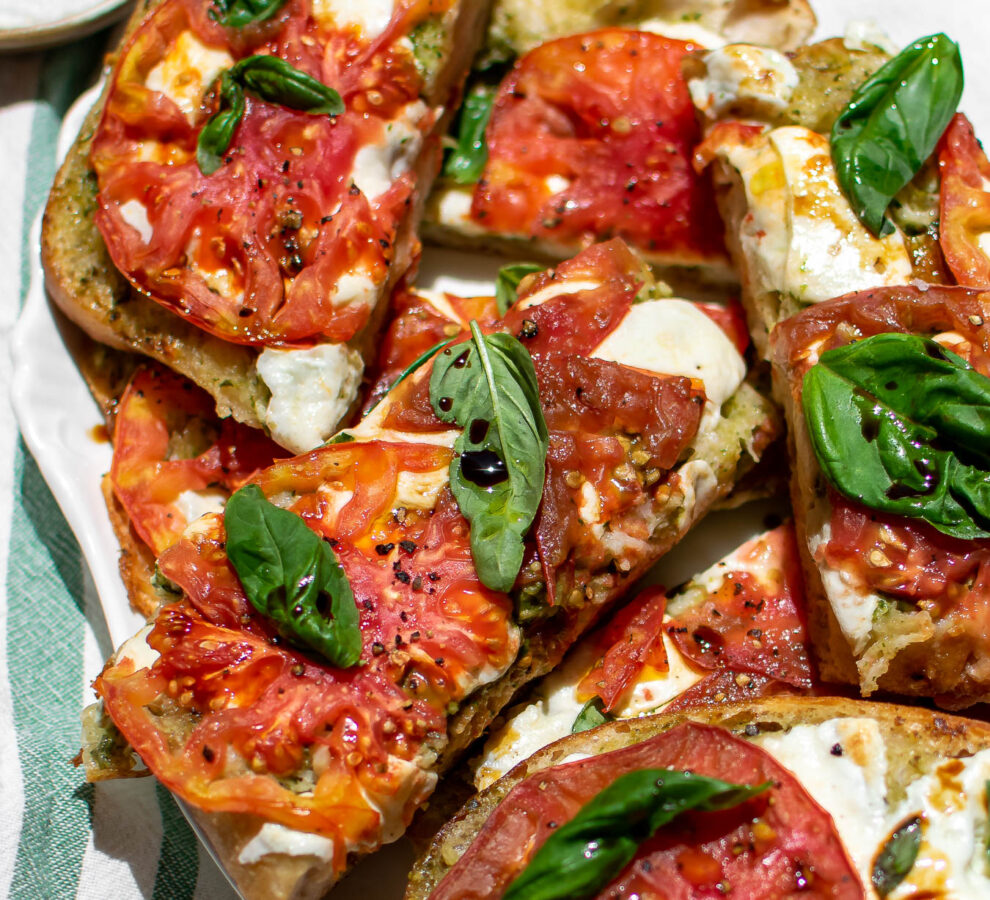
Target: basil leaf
<point>900,424</point>
<point>897,857</point>
<point>507,282</point>
<point>487,385</point>
<point>218,132</point>
<point>464,164</point>
<point>274,80</point>
<point>342,438</point>
<point>892,124</point>
<point>586,853</point>
<point>238,13</point>
<point>591,716</point>
<point>290,574</point>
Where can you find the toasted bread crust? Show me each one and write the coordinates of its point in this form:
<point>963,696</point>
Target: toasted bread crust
<point>913,656</point>
<point>87,287</point>
<point>915,738</point>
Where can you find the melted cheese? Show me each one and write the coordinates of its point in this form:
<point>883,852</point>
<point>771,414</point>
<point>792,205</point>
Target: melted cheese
<point>556,289</point>
<point>134,213</point>
<point>850,785</point>
<point>852,606</point>
<point>193,504</point>
<point>843,765</point>
<point>187,70</point>
<point>378,165</point>
<point>136,649</point>
<point>273,838</point>
<point>551,715</point>
<point>863,34</point>
<point>312,389</point>
<point>355,287</point>
<point>674,337</point>
<point>800,234</point>
<point>758,79</point>
<point>370,16</point>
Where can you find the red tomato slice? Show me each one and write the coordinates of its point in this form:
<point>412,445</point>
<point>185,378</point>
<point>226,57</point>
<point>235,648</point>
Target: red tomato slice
<point>257,251</point>
<point>160,412</point>
<point>592,136</point>
<point>754,622</point>
<point>731,318</point>
<point>429,631</point>
<point>774,846</point>
<point>964,203</point>
<point>630,642</point>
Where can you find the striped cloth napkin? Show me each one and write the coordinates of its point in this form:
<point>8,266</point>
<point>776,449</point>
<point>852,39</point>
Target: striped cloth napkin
<point>59,836</point>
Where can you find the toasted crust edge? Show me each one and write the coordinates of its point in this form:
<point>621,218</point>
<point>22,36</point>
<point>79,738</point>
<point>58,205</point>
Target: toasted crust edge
<point>914,738</point>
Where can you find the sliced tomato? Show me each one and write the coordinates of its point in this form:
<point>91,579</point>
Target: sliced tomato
<point>754,621</point>
<point>592,136</point>
<point>260,708</point>
<point>777,845</point>
<point>167,442</point>
<point>629,643</point>
<point>900,557</point>
<point>964,214</point>
<point>731,318</point>
<point>279,245</point>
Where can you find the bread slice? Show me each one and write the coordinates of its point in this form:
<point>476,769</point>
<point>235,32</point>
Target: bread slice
<point>84,283</point>
<point>734,435</point>
<point>688,259</point>
<point>863,634</point>
<point>902,755</point>
<point>789,228</point>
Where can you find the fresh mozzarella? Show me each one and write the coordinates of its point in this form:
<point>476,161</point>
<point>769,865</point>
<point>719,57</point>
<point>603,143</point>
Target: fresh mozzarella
<point>759,79</point>
<point>378,165</point>
<point>557,183</point>
<point>188,69</point>
<point>699,486</point>
<point>414,783</point>
<point>951,861</point>
<point>674,337</point>
<point>864,35</point>
<point>420,490</point>
<point>312,389</point>
<point>800,234</point>
<point>853,606</point>
<point>274,838</point>
<point>136,649</point>
<point>842,764</point>
<point>193,504</point>
<point>454,207</point>
<point>370,16</point>
<point>134,214</point>
<point>551,715</point>
<point>355,287</point>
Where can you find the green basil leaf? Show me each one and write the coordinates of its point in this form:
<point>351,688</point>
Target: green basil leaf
<point>466,161</point>
<point>274,80</point>
<point>892,124</point>
<point>238,13</point>
<point>897,857</point>
<point>342,438</point>
<point>507,283</point>
<point>586,853</point>
<point>218,132</point>
<point>487,385</point>
<point>291,575</point>
<point>900,424</point>
<point>591,716</point>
